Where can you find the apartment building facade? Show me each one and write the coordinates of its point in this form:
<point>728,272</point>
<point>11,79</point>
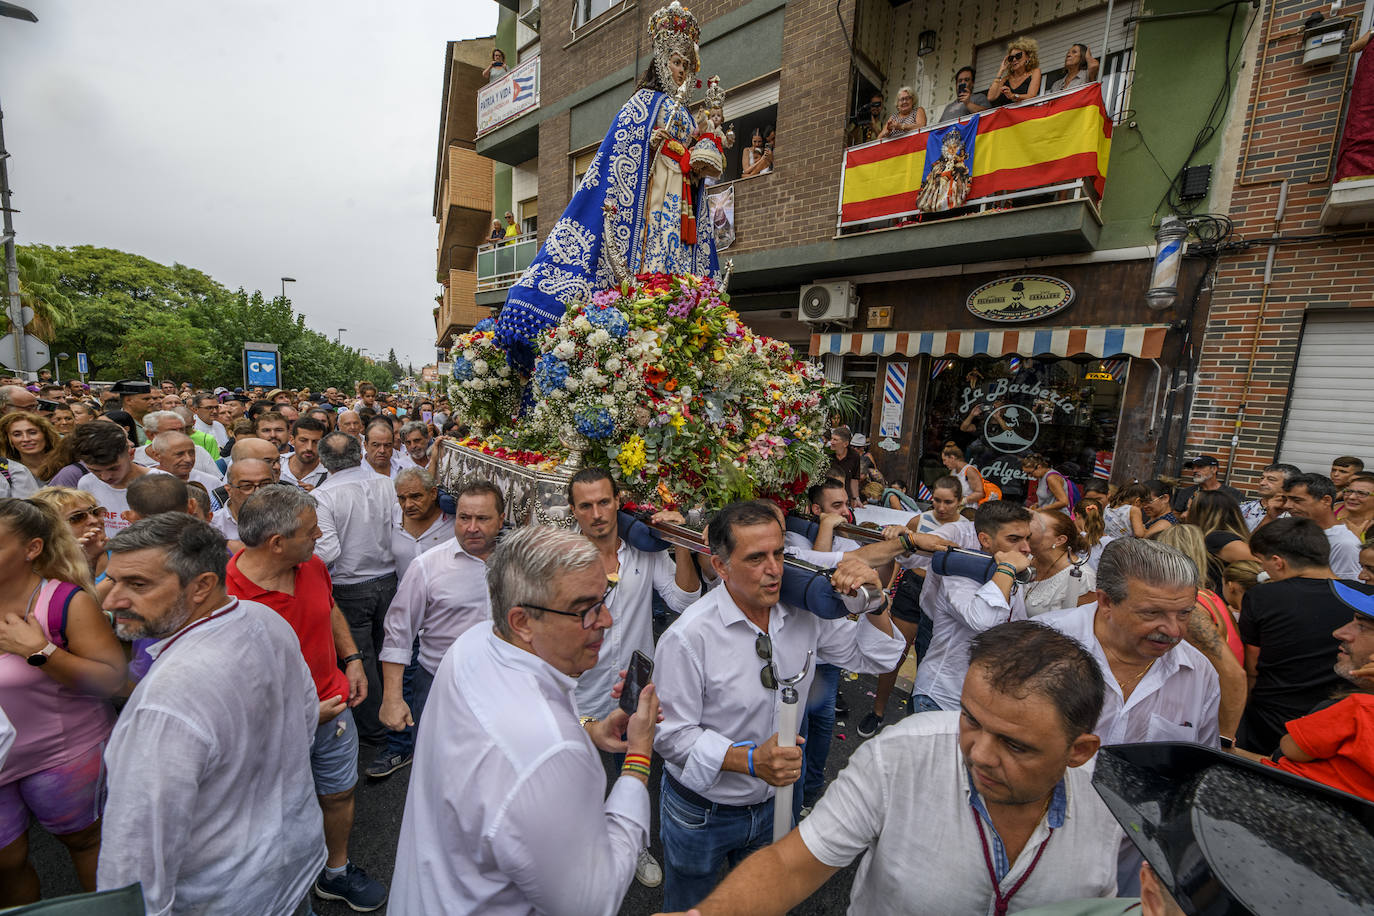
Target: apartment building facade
<point>912,309</point>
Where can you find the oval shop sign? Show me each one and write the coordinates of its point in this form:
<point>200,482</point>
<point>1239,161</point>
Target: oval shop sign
<point>1023,298</point>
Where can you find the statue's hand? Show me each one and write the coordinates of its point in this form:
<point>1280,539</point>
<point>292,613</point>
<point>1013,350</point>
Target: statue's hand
<point>657,138</point>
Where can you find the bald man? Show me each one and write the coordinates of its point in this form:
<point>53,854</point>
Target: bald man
<point>246,477</point>
<point>14,398</point>
<point>350,422</point>
<point>260,449</point>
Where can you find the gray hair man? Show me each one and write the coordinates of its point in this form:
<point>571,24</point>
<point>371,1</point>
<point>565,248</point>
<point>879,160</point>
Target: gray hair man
<point>1159,688</point>
<point>441,595</point>
<point>418,523</point>
<point>15,398</point>
<point>501,725</point>
<point>176,454</point>
<point>277,567</point>
<point>157,422</point>
<point>415,443</point>
<point>208,781</point>
<point>354,507</point>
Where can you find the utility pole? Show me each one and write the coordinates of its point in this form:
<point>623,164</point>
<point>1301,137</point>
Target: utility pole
<point>14,307</point>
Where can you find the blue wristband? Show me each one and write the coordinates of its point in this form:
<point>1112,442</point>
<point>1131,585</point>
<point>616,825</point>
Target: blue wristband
<point>751,745</point>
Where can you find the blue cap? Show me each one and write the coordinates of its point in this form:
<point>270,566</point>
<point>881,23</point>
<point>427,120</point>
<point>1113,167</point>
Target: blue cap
<point>1359,598</point>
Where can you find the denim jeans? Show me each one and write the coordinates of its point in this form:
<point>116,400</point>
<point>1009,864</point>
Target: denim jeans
<point>364,605</point>
<point>415,691</point>
<point>818,728</point>
<point>922,703</point>
<point>699,842</point>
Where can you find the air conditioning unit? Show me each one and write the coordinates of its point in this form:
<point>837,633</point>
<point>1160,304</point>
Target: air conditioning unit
<point>531,16</point>
<point>828,302</point>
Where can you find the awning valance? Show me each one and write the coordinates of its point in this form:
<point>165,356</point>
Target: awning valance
<point>1143,340</point>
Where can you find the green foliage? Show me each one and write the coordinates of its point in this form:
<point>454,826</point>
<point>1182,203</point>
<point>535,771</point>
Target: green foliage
<point>121,309</point>
<point>40,290</point>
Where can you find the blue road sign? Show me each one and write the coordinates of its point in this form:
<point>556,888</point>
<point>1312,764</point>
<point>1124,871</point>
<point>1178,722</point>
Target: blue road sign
<point>148,368</point>
<point>81,365</point>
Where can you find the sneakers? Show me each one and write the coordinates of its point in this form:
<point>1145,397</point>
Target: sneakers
<point>841,705</point>
<point>870,726</point>
<point>385,764</point>
<point>647,870</point>
<point>353,887</point>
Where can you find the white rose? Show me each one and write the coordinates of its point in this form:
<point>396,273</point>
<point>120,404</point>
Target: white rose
<point>558,394</point>
<point>608,400</point>
<point>598,338</point>
<point>563,332</point>
<point>469,355</point>
<point>589,374</point>
<point>620,387</point>
<point>572,384</point>
<point>564,350</point>
<point>480,367</point>
<point>613,364</point>
<point>476,384</point>
<point>503,371</point>
<point>581,324</point>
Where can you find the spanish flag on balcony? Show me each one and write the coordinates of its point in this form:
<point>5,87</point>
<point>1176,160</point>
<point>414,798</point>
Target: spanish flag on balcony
<point>1065,137</point>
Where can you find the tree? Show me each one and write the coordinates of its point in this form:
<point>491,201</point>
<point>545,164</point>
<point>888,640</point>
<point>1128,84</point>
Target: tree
<point>39,289</point>
<point>392,366</point>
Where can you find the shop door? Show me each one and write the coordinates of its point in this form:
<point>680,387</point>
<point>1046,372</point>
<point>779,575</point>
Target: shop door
<point>1329,411</point>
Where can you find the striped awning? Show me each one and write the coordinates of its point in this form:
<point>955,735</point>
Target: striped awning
<point>1143,340</point>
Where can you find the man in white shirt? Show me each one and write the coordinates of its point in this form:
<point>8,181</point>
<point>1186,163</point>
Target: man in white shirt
<point>961,608</point>
<point>415,441</point>
<point>1271,483</point>
<point>206,408</point>
<point>417,521</point>
<point>1313,496</point>
<point>301,466</point>
<point>109,459</point>
<point>379,447</point>
<point>507,811</point>
<point>1159,688</point>
<point>245,477</point>
<point>719,736</point>
<point>441,595</point>
<point>995,802</point>
<point>176,454</point>
<point>166,421</point>
<point>211,803</point>
<point>351,423</point>
<point>635,575</point>
<point>355,505</point>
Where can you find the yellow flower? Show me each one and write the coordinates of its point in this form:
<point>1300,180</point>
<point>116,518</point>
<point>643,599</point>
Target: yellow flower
<point>678,422</point>
<point>631,457</point>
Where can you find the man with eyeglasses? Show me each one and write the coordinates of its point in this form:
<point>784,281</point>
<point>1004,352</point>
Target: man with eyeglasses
<point>507,810</point>
<point>245,477</point>
<point>718,668</point>
<point>868,122</point>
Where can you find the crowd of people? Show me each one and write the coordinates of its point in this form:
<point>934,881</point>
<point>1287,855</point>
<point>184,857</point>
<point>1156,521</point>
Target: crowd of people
<point>172,546</point>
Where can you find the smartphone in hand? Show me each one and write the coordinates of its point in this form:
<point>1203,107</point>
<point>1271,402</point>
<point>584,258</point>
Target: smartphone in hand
<point>640,672</point>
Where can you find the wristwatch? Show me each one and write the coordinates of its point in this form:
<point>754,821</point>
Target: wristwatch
<point>40,658</point>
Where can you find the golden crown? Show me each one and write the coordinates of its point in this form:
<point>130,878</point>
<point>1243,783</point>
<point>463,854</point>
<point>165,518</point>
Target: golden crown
<point>675,18</point>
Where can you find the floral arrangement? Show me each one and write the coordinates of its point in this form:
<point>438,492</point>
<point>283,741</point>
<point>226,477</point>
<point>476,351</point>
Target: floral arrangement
<point>661,382</point>
<point>497,447</point>
<point>484,389</point>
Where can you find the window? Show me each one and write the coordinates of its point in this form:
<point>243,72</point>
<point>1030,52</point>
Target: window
<point>1001,410</point>
<point>745,125</point>
<point>581,162</point>
<point>587,10</point>
<point>529,215</point>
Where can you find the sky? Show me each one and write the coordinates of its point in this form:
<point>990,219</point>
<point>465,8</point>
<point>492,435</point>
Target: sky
<point>251,140</point>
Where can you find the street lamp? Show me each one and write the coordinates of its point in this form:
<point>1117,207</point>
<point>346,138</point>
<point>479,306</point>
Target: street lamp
<point>339,335</point>
<point>284,281</point>
<point>57,368</point>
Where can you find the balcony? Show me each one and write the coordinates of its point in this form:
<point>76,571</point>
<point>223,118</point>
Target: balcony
<point>1350,203</point>
<point>513,95</point>
<point>500,265</point>
<point>464,208</point>
<point>1050,152</point>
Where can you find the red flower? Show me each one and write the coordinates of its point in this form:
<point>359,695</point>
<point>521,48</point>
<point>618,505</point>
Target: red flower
<point>655,375</point>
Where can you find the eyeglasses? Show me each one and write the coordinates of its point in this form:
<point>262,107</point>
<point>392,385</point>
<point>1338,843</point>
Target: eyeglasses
<point>248,486</point>
<point>588,616</point>
<point>763,648</point>
<point>1362,494</point>
<point>77,516</point>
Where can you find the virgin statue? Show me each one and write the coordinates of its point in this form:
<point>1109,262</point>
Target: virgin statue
<point>640,208</point>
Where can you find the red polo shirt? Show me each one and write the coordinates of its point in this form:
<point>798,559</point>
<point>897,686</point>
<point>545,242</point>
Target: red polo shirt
<point>308,613</point>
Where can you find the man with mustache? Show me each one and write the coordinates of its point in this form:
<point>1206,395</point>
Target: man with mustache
<point>1159,688</point>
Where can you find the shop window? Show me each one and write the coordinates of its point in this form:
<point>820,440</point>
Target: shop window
<point>1002,410</point>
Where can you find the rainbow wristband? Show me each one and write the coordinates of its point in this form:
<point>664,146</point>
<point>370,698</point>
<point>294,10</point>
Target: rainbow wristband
<point>637,768</point>
<point>637,760</point>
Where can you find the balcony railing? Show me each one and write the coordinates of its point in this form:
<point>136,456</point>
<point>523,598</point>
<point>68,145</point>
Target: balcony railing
<point>1056,145</point>
<point>500,264</point>
<point>511,96</point>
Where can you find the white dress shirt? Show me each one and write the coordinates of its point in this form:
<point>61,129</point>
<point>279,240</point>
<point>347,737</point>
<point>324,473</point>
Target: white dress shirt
<point>962,610</point>
<point>204,463</point>
<point>1345,551</point>
<point>354,508</point>
<point>959,532</point>
<point>707,674</point>
<point>441,596</point>
<point>631,604</point>
<point>905,797</point>
<point>225,523</point>
<point>1176,700</point>
<point>405,547</point>
<point>505,813</point>
<point>215,430</point>
<point>313,477</point>
<point>211,800</point>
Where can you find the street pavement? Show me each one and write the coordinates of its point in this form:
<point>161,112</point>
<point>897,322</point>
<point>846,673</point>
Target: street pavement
<point>381,804</point>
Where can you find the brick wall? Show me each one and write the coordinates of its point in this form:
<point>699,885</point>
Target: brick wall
<point>1292,128</point>
<point>796,204</point>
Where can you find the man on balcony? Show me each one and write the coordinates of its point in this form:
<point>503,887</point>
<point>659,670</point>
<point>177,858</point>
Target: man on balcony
<point>966,101</point>
<point>512,228</point>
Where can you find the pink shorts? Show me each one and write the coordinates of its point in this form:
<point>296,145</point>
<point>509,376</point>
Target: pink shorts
<point>64,799</point>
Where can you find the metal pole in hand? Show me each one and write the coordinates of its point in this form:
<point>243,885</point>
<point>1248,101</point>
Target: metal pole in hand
<point>788,717</point>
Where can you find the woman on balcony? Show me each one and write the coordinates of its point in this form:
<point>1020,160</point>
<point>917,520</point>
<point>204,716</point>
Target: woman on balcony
<point>909,116</point>
<point>497,233</point>
<point>1080,69</point>
<point>1018,78</point>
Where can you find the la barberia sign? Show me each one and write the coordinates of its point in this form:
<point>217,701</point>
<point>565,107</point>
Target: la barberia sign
<point>1027,297</point>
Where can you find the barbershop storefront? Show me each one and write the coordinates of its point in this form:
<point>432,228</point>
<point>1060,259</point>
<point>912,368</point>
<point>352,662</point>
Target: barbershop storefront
<point>1065,361</point>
